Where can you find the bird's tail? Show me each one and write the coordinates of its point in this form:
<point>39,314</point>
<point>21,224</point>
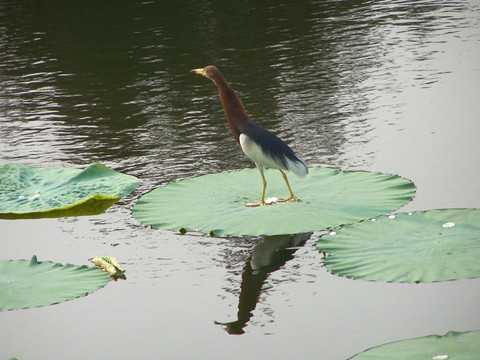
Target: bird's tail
<point>297,166</point>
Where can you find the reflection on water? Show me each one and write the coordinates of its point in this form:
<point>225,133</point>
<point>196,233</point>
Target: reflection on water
<point>269,255</point>
<point>83,82</point>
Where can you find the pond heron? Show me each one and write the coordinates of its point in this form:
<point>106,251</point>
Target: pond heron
<point>265,149</point>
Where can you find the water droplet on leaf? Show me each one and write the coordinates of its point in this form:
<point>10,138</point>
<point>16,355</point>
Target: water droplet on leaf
<point>448,225</point>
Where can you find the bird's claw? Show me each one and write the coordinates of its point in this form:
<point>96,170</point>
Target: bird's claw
<point>254,203</point>
<point>290,199</point>
<point>268,201</point>
<point>271,201</point>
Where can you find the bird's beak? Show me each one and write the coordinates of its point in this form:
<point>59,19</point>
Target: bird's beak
<point>199,71</point>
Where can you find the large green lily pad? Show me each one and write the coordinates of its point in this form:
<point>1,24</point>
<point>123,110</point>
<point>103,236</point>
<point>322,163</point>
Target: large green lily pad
<point>28,192</point>
<point>424,246</point>
<point>216,202</point>
<point>26,284</point>
<point>453,346</point>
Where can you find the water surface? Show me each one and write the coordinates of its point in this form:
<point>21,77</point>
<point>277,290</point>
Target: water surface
<point>390,86</point>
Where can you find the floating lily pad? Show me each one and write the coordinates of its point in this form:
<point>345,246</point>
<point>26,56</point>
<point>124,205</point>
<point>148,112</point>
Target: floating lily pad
<point>26,284</point>
<point>216,202</point>
<point>424,246</point>
<point>453,345</point>
<point>29,192</point>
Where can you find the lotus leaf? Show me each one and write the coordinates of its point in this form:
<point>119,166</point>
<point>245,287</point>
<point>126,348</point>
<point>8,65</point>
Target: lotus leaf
<point>28,192</point>
<point>216,202</point>
<point>26,284</point>
<point>424,246</point>
<point>453,345</point>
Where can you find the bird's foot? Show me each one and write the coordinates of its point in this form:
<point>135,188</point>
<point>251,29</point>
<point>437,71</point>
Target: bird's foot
<point>269,201</point>
<point>291,198</point>
<point>254,203</point>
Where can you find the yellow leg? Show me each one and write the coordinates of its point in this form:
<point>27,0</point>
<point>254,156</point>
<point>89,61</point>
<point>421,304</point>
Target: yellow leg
<point>262,201</point>
<point>264,183</point>
<point>291,197</point>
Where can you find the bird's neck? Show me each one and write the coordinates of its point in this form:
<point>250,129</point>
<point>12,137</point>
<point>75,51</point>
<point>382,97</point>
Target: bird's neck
<point>233,108</point>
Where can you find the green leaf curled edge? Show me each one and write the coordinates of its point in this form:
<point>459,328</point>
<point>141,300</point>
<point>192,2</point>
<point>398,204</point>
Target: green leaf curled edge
<point>29,192</point>
<point>94,205</point>
<point>30,283</point>
<point>453,345</point>
<point>423,246</point>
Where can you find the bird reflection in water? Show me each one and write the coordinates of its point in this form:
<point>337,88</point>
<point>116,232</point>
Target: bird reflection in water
<point>271,253</point>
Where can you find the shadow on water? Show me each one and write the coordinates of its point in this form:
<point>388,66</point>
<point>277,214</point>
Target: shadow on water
<point>268,256</point>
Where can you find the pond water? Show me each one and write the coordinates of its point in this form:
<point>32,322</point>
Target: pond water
<point>389,86</point>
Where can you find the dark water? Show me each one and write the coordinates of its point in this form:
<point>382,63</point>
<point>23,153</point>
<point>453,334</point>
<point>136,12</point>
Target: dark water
<point>389,86</point>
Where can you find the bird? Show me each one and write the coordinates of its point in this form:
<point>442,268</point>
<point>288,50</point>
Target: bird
<point>263,147</point>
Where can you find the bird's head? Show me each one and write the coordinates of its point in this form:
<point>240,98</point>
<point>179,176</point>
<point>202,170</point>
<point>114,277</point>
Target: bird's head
<point>209,71</point>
